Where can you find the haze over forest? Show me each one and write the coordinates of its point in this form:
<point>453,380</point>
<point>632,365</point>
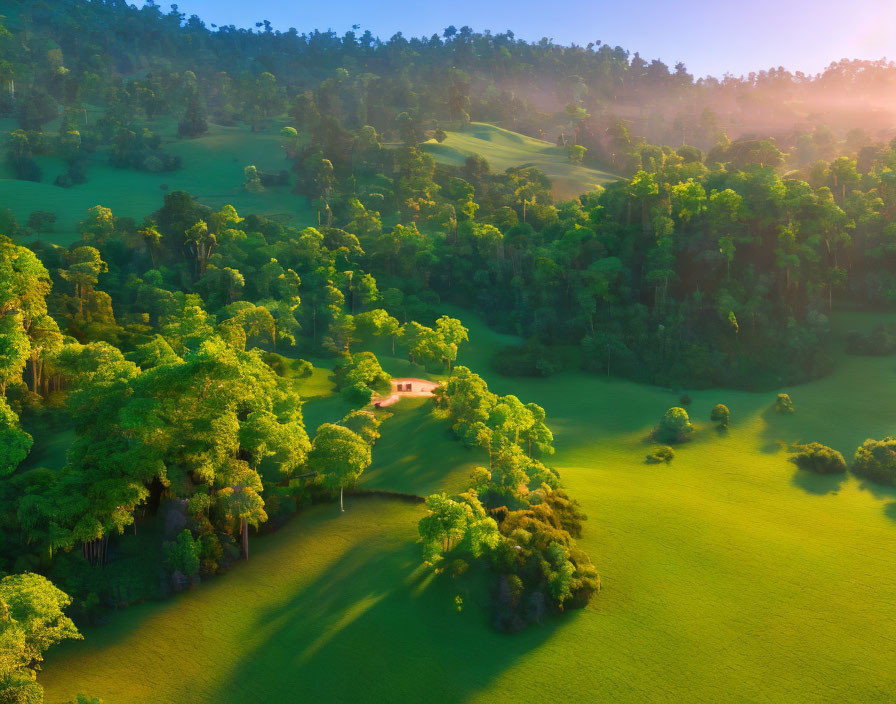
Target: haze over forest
<point>380,366</point>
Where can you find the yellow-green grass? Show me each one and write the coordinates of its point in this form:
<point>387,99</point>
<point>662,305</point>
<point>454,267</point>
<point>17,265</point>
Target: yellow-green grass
<point>212,170</point>
<point>728,576</point>
<point>504,149</point>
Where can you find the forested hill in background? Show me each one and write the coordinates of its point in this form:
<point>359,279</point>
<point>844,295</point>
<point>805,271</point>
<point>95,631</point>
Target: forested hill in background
<point>716,226</point>
<point>110,53</point>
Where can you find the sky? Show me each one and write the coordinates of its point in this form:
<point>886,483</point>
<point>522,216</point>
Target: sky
<point>710,37</point>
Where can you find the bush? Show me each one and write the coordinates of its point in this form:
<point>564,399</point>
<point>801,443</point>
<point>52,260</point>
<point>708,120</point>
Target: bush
<point>183,555</point>
<point>302,368</point>
<point>818,458</point>
<point>720,414</point>
<point>358,394</point>
<point>783,404</point>
<point>876,460</point>
<point>674,427</point>
<point>880,341</point>
<point>684,400</point>
<point>661,454</point>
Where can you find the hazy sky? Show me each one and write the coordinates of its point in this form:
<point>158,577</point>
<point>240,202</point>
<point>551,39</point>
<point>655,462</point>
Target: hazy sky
<point>710,37</point>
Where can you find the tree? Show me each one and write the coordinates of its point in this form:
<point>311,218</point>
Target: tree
<point>339,456</point>
<point>818,458</point>
<point>32,619</point>
<point>783,404</point>
<point>451,523</point>
<point>720,414</point>
<point>14,349</point>
<point>202,242</point>
<point>876,460</point>
<point>674,427</point>
<point>193,123</point>
<point>15,443</point>
<point>85,266</point>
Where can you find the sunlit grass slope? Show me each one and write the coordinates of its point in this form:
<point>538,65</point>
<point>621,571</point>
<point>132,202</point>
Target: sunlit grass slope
<point>728,576</point>
<point>212,170</point>
<point>504,149</point>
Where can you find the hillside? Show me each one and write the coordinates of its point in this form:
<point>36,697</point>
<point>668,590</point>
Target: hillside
<point>504,149</point>
<point>727,560</point>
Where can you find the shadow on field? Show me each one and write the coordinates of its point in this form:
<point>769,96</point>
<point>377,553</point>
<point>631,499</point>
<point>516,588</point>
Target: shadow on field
<point>404,459</point>
<point>376,626</point>
<point>778,431</point>
<point>819,484</point>
<point>890,510</point>
<point>878,491</point>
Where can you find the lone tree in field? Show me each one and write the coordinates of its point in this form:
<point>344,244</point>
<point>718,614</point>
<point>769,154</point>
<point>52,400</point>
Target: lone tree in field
<point>674,427</point>
<point>720,414</point>
<point>339,455</point>
<point>783,404</point>
<point>818,458</point>
<point>876,460</point>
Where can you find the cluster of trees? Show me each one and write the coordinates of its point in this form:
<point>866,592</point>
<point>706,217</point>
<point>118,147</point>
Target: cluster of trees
<point>148,344</point>
<point>874,460</point>
<point>716,263</point>
<point>141,61</point>
<point>514,514</point>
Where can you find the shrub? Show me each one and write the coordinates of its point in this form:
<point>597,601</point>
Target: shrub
<point>876,460</point>
<point>720,414</point>
<point>684,400</point>
<point>302,368</point>
<point>674,427</point>
<point>880,341</point>
<point>819,458</point>
<point>183,555</point>
<point>783,404</point>
<point>661,454</point>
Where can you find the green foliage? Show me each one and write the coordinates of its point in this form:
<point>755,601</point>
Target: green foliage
<point>880,341</point>
<point>32,619</point>
<point>661,454</point>
<point>339,456</point>
<point>815,457</point>
<point>183,554</point>
<point>15,443</point>
<point>876,460</point>
<point>361,376</point>
<point>783,404</point>
<point>720,414</point>
<point>675,426</point>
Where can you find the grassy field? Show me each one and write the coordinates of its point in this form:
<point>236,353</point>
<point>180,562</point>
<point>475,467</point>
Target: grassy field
<point>212,170</point>
<point>503,149</point>
<point>728,576</point>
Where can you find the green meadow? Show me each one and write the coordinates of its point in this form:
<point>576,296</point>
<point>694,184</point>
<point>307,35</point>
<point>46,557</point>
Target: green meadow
<point>728,576</point>
<point>212,170</point>
<point>504,149</point>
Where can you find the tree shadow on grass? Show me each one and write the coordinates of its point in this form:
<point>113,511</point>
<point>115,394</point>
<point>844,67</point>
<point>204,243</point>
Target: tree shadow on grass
<point>819,484</point>
<point>776,435</point>
<point>404,459</point>
<point>878,491</point>
<point>376,626</point>
<point>890,511</point>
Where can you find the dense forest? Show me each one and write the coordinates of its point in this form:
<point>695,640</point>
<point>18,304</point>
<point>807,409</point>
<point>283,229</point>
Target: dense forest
<point>171,349</point>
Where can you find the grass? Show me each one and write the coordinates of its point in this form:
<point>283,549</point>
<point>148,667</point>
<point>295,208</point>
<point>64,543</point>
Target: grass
<point>212,171</point>
<point>504,149</point>
<point>728,575</point>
